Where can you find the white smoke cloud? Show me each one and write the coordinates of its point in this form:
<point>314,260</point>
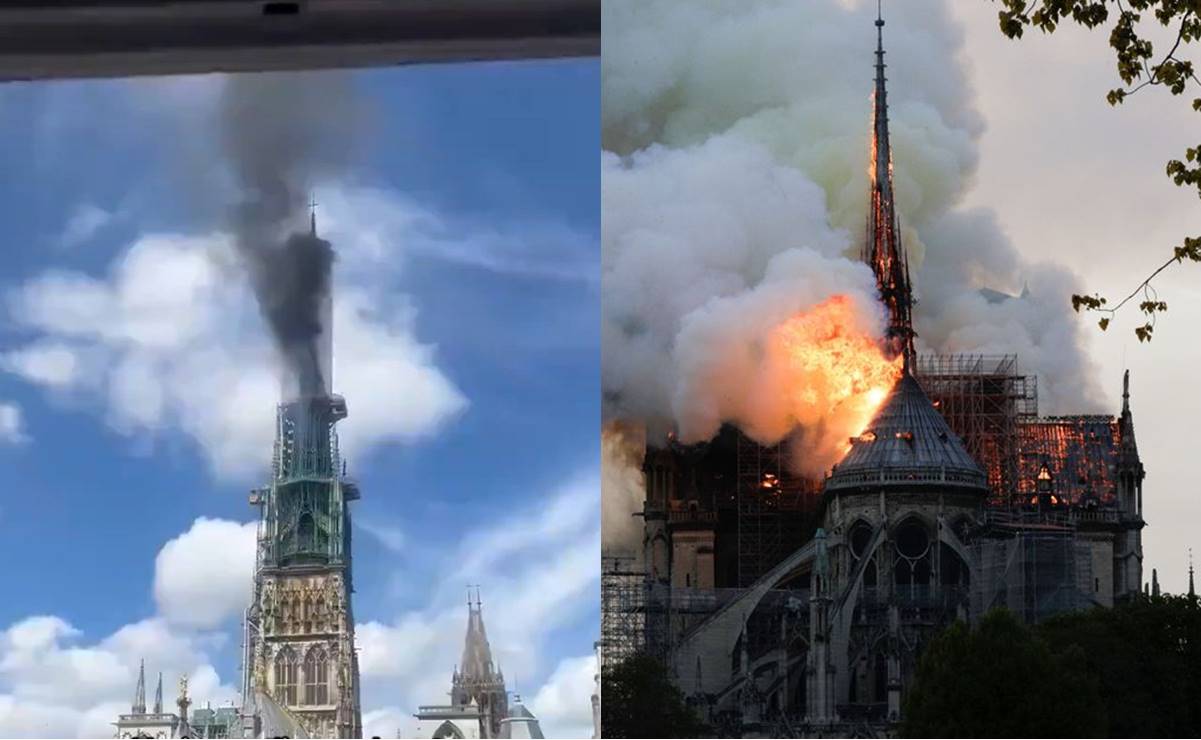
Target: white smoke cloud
<point>623,488</point>
<point>710,235</point>
<point>734,192</point>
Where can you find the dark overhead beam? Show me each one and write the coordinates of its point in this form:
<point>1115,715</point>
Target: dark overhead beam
<point>115,38</point>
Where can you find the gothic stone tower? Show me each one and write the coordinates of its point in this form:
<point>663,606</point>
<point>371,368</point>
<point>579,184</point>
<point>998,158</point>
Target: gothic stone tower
<point>1128,545</point>
<point>477,679</point>
<point>299,634</point>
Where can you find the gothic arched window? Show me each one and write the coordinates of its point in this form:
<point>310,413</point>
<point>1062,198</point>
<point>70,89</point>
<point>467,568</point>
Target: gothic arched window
<point>305,533</point>
<point>316,677</point>
<point>285,677</point>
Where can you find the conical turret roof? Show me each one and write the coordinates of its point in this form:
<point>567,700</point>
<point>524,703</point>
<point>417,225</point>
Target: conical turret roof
<point>907,443</point>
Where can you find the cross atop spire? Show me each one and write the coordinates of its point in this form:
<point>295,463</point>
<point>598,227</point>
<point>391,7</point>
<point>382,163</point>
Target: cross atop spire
<point>312,215</point>
<point>882,248</point>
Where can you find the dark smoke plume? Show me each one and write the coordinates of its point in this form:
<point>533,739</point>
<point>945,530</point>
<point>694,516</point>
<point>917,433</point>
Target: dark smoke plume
<point>281,133</point>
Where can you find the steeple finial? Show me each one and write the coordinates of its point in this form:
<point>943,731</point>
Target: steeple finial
<point>1192,589</point>
<point>1126,392</point>
<point>158,695</point>
<point>882,248</point>
<point>312,215</point>
<point>139,694</point>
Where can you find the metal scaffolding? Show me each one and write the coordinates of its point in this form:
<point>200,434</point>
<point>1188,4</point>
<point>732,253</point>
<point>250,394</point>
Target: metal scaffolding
<point>1033,570</point>
<point>623,609</point>
<point>773,507</point>
<point>984,399</point>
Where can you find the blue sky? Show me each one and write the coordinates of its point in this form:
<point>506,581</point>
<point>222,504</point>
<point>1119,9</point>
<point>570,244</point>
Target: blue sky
<point>489,286</point>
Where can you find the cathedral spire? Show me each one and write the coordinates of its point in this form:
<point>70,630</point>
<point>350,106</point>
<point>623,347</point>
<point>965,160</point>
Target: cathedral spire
<point>158,695</point>
<point>476,663</point>
<point>1192,589</point>
<point>1129,446</point>
<point>882,248</point>
<point>139,694</point>
<point>478,679</point>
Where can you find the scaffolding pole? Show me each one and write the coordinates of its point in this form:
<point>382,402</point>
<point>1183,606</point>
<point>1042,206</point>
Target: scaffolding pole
<point>623,609</point>
<point>984,399</point>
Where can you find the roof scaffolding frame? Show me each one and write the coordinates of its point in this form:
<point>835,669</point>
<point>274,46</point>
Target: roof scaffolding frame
<point>984,399</point>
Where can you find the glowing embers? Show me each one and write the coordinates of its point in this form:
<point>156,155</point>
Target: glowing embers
<point>1079,452</point>
<point>837,371</point>
<point>1045,485</point>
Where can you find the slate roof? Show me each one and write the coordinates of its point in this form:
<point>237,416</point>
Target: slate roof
<point>908,442</point>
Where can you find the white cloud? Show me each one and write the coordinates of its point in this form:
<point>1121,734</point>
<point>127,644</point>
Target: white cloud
<point>55,684</point>
<point>12,424</point>
<point>85,221</point>
<point>203,577</point>
<point>401,393</point>
<point>408,660</point>
<point>565,700</point>
<point>390,722</point>
<point>170,340</point>
<point>391,536</point>
<point>371,227</point>
<point>51,364</point>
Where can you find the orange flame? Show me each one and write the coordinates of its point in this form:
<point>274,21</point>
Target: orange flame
<point>838,373</point>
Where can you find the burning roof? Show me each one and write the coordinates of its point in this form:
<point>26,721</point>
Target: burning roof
<point>907,442</point>
<point>1081,453</point>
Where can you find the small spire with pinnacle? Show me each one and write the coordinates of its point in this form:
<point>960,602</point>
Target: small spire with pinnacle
<point>1129,446</point>
<point>1192,589</point>
<point>139,694</point>
<point>312,216</point>
<point>158,695</point>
